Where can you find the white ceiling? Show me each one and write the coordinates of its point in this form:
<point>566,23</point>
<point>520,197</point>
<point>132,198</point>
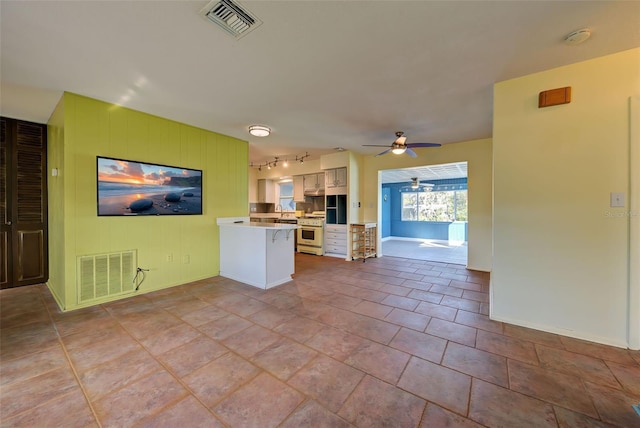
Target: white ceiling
<point>321,74</point>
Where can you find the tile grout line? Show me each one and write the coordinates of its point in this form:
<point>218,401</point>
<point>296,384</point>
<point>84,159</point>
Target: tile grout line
<point>536,342</point>
<point>188,390</point>
<point>73,368</point>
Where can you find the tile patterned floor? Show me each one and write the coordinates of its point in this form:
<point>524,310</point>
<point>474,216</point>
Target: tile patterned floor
<point>443,251</point>
<point>388,343</point>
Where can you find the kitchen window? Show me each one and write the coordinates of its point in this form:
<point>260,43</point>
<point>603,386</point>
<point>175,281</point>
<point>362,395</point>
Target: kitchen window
<point>286,196</point>
<point>446,206</point>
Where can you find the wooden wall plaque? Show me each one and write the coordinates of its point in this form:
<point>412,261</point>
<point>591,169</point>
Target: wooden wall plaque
<point>554,97</point>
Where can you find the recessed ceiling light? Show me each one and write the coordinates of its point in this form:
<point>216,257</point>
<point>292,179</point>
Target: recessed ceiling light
<point>259,131</point>
<point>577,37</point>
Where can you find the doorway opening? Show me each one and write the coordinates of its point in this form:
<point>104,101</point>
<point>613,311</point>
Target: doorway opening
<point>425,213</point>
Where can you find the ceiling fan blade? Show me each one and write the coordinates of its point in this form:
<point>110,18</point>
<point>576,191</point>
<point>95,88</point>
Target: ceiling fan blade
<point>424,145</point>
<point>376,145</point>
<point>410,152</point>
<point>382,153</point>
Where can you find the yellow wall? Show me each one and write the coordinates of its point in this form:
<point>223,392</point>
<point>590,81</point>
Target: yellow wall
<point>93,128</point>
<point>560,252</point>
<point>477,154</point>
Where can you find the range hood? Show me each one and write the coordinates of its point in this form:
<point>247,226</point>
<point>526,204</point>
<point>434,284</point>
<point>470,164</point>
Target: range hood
<point>314,192</point>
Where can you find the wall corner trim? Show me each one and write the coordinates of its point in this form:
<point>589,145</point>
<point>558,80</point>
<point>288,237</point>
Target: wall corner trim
<point>634,223</point>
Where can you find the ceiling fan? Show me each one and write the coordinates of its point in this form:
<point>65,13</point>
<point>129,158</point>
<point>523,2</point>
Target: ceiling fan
<point>417,185</point>
<point>400,146</point>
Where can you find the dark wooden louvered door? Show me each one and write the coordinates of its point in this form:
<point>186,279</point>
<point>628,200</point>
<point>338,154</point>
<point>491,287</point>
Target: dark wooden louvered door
<point>5,226</point>
<point>23,203</point>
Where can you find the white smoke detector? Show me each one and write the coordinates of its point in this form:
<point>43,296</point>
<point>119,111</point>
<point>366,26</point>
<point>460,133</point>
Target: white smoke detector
<point>577,37</point>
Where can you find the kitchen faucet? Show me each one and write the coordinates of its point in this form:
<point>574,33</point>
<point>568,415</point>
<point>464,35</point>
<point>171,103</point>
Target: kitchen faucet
<point>278,208</point>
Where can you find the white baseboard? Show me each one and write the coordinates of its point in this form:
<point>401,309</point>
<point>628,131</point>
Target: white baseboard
<point>563,332</point>
<point>478,269</point>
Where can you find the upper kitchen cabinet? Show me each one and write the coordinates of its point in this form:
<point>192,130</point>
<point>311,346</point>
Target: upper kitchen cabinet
<point>336,181</point>
<point>298,188</point>
<point>314,184</point>
<point>266,191</point>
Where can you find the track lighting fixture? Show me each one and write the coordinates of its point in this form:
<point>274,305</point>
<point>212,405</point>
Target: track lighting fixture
<point>301,158</point>
<point>276,159</point>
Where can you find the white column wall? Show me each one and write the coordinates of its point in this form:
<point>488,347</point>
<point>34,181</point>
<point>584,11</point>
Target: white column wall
<point>560,252</point>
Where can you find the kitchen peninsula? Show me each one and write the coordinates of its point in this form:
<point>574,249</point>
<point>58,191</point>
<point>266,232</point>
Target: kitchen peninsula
<point>258,254</point>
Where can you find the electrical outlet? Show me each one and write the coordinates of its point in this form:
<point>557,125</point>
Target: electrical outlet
<point>169,258</point>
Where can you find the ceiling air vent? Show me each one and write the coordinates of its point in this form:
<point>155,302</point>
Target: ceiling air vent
<point>231,17</point>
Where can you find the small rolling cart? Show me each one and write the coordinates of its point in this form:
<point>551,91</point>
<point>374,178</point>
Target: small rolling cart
<point>363,240</point>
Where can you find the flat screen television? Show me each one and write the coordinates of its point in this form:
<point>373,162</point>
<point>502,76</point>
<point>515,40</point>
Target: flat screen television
<point>132,188</point>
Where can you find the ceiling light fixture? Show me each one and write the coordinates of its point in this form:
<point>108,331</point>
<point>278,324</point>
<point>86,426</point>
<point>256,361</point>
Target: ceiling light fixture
<point>259,131</point>
<point>301,158</point>
<point>398,149</point>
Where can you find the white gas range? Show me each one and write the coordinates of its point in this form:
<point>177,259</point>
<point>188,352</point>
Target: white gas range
<point>311,233</point>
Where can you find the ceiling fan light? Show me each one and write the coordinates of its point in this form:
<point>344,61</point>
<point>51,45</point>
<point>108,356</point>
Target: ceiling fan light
<point>259,131</point>
<point>398,150</point>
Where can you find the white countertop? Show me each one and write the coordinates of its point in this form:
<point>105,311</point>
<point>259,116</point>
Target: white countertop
<point>265,215</point>
<point>257,225</point>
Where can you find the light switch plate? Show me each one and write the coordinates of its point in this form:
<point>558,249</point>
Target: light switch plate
<point>617,200</point>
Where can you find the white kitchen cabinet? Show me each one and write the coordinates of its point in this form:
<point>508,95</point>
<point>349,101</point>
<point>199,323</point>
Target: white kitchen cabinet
<point>335,240</point>
<point>258,254</point>
<point>266,191</point>
<point>335,181</point>
<point>336,177</point>
<point>298,188</point>
<point>313,182</point>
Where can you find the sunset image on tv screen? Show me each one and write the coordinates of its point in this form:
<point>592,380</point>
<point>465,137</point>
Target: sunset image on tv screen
<point>134,188</point>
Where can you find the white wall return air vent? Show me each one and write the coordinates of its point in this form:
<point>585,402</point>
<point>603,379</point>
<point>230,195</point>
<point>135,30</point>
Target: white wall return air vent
<point>232,18</point>
<point>101,276</point>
